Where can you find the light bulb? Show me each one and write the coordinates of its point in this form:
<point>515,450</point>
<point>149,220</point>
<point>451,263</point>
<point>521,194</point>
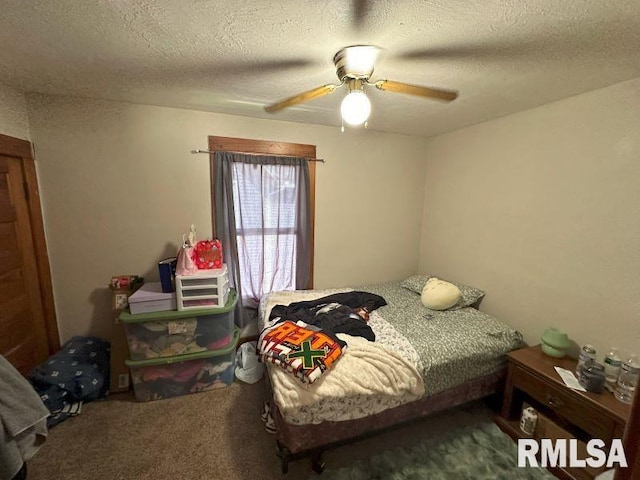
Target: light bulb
<point>355,108</point>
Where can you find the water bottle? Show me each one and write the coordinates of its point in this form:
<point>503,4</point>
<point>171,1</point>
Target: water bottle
<point>628,379</point>
<point>587,354</point>
<point>612,362</point>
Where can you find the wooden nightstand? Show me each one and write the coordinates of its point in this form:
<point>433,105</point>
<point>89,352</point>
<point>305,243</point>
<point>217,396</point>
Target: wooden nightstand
<point>532,379</point>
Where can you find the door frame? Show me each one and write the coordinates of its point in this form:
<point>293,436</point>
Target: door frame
<point>22,150</point>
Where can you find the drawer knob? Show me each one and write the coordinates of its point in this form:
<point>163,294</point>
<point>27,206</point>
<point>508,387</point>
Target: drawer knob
<point>553,402</point>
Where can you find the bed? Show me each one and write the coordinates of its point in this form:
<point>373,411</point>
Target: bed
<point>426,361</point>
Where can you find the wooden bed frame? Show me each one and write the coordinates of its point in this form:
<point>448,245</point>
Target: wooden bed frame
<point>297,441</point>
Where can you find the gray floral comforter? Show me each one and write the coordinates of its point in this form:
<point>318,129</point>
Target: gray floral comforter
<point>454,346</point>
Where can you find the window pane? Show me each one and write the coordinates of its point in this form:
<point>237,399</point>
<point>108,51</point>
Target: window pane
<point>267,263</point>
<point>265,203</point>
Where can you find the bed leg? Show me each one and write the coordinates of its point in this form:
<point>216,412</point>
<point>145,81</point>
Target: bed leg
<point>317,462</point>
<point>284,454</point>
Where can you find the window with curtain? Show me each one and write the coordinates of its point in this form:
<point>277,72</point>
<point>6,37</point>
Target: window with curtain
<point>262,215</point>
<point>267,201</point>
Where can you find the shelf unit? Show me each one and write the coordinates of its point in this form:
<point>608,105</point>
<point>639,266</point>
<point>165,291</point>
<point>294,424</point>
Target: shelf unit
<point>205,289</point>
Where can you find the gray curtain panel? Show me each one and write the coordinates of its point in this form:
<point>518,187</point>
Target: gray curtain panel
<point>262,217</point>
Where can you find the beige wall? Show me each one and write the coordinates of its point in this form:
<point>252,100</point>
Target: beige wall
<point>542,210</point>
<point>119,187</point>
<point>13,113</point>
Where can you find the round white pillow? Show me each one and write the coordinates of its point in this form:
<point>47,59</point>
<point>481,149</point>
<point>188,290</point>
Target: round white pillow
<point>439,295</point>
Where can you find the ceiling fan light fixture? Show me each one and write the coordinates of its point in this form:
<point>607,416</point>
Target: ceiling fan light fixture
<point>360,59</point>
<point>356,61</point>
<point>355,108</point>
<point>354,67</point>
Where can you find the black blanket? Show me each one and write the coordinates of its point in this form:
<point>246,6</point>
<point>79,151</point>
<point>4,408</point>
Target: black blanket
<point>338,313</point>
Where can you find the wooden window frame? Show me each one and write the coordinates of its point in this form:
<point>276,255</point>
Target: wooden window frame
<point>267,147</point>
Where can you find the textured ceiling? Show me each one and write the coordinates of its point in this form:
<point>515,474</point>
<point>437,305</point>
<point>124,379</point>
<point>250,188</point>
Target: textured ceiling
<point>503,56</point>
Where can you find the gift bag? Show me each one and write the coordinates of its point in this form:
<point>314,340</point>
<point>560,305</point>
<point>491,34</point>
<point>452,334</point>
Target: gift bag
<point>207,254</point>
<point>185,264</point>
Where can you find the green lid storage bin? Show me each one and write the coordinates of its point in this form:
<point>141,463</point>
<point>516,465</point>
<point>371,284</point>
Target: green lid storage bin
<point>170,333</point>
<point>180,375</point>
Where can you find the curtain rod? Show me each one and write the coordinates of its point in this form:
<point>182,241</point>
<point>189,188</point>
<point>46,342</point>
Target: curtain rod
<point>260,154</point>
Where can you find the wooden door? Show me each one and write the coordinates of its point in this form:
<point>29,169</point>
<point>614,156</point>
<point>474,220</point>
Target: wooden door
<point>27,336</point>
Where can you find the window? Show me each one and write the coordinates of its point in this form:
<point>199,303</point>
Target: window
<point>265,201</point>
<point>263,214</point>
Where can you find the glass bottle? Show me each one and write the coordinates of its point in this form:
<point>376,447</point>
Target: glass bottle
<point>628,379</point>
<point>612,362</point>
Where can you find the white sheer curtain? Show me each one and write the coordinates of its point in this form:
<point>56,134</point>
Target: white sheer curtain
<point>262,217</point>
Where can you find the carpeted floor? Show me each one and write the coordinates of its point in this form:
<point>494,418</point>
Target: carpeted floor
<point>209,435</point>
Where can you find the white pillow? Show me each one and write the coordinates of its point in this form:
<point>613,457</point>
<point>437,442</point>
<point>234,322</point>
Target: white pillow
<point>439,295</point>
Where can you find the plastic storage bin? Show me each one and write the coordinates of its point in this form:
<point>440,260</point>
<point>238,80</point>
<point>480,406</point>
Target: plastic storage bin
<point>205,289</point>
<point>171,333</point>
<point>185,374</point>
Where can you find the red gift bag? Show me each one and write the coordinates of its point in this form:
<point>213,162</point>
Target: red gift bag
<point>207,254</point>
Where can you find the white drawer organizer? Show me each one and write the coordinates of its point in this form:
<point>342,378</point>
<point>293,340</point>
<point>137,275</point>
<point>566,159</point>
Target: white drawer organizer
<point>205,289</point>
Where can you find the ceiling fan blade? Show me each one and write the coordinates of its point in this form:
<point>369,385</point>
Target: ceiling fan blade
<point>466,51</point>
<point>399,87</point>
<point>360,11</point>
<point>254,67</point>
<point>301,98</point>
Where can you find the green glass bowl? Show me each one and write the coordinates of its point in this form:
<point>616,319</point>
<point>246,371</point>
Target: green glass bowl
<point>552,352</point>
<point>555,343</point>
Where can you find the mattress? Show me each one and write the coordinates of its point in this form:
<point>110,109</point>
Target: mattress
<point>445,348</point>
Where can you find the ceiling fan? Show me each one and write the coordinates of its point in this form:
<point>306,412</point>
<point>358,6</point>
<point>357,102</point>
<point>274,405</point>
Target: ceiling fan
<point>354,67</point>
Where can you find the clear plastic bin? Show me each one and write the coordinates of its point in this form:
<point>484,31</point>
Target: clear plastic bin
<point>175,376</point>
<point>172,333</point>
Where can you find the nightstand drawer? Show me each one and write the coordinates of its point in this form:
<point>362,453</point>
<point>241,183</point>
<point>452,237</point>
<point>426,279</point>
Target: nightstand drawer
<point>574,410</point>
